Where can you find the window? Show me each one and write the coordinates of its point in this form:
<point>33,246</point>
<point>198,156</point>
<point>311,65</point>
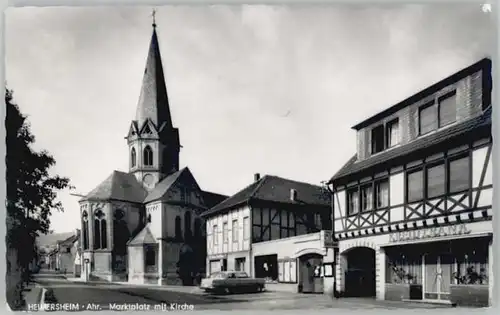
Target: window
<point>133,157</point>
<point>215,235</point>
<point>68,250</point>
<point>381,193</point>
<point>459,174</point>
<point>392,132</point>
<point>447,109</point>
<point>287,271</point>
<point>178,228</point>
<point>187,226</point>
<point>403,267</point>
<point>266,267</point>
<point>352,201</point>
<point>235,230</point>
<point>197,229</point>
<point>239,264</point>
<point>246,226</point>
<point>377,139</point>
<point>415,186</point>
<point>148,156</point>
<point>427,118</point>
<point>224,232</point>
<point>150,255</point>
<point>436,180</point>
<point>85,230</point>
<point>100,231</point>
<point>366,198</point>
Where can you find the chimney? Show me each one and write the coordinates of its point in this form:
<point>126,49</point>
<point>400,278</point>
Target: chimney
<point>256,177</point>
<point>293,195</point>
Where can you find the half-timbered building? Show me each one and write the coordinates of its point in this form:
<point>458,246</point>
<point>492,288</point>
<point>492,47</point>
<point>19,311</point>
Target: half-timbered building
<point>277,229</point>
<point>413,206</point>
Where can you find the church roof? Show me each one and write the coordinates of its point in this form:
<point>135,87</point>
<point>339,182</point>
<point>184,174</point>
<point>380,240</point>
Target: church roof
<point>153,100</point>
<point>275,189</point>
<point>118,186</point>
<point>143,237</point>
<point>162,188</point>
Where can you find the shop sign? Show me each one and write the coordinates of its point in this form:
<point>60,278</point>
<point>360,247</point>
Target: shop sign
<point>329,241</point>
<point>452,230</point>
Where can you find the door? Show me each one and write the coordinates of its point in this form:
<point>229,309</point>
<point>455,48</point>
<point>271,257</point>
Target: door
<point>437,276</point>
<point>307,277</point>
<point>224,264</point>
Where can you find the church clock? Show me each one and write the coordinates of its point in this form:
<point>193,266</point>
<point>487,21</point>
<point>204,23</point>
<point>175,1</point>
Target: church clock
<point>148,180</point>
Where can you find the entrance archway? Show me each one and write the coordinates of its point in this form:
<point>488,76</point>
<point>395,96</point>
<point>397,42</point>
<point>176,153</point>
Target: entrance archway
<point>310,280</point>
<point>360,273</point>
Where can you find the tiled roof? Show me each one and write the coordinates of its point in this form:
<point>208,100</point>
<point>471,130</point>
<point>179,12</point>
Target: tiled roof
<point>118,186</point>
<point>439,137</point>
<point>70,240</point>
<point>212,199</point>
<point>52,239</point>
<point>275,189</point>
<point>143,237</point>
<point>162,188</point>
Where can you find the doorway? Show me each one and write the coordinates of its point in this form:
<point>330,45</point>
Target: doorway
<point>239,264</point>
<point>360,273</point>
<point>310,274</point>
<point>438,274</point>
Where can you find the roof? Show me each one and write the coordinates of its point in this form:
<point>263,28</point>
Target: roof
<point>212,199</point>
<point>143,237</point>
<point>70,240</point>
<point>483,64</point>
<point>275,189</point>
<point>118,186</point>
<point>153,99</point>
<point>161,189</point>
<point>439,137</point>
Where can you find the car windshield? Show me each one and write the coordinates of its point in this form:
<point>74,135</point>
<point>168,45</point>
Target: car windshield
<point>218,275</point>
<point>241,275</point>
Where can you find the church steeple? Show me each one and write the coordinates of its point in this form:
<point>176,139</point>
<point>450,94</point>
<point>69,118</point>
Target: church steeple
<point>153,100</point>
<point>153,141</point>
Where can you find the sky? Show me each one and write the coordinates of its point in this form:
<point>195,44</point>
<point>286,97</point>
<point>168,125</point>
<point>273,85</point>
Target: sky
<point>253,89</point>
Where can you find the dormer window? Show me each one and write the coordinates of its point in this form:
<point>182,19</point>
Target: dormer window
<point>437,114</point>
<point>385,136</point>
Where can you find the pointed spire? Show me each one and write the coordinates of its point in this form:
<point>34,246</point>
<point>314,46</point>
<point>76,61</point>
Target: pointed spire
<point>153,100</point>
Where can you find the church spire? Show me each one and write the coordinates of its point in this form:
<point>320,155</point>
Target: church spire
<point>153,100</point>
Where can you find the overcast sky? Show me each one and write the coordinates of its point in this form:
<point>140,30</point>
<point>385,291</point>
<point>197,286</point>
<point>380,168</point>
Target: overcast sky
<point>273,90</point>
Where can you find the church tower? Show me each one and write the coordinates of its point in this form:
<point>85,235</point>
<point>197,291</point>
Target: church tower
<point>153,141</point>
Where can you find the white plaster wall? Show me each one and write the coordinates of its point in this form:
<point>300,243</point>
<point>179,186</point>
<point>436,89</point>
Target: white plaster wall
<point>241,244</point>
<point>291,247</point>
<point>339,204</point>
<point>396,189</point>
<point>478,159</point>
<point>156,226</point>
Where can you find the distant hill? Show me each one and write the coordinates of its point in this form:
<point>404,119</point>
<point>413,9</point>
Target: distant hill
<point>50,240</point>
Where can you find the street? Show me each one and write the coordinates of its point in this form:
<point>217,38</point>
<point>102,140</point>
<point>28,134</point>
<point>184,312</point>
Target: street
<point>88,296</point>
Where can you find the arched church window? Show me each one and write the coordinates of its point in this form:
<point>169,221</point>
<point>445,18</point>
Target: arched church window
<point>148,155</point>
<point>133,157</point>
<point>187,225</point>
<point>197,228</point>
<point>85,230</point>
<point>100,231</point>
<point>178,228</point>
<point>120,233</point>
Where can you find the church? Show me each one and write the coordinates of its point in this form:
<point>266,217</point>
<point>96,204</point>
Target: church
<point>144,226</point>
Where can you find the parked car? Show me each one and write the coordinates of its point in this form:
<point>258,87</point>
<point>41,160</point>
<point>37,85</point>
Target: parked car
<point>231,282</point>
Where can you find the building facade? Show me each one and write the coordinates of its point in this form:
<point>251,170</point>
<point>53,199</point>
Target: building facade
<point>144,225</point>
<point>66,252</point>
<point>413,207</point>
<point>274,229</point>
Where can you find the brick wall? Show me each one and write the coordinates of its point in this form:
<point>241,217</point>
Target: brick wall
<point>469,103</point>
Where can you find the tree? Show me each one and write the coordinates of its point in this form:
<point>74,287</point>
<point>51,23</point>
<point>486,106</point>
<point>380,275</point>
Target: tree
<point>31,190</point>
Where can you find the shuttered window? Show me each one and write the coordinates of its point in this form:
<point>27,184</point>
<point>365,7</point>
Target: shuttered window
<point>427,119</point>
<point>415,186</point>
<point>436,181</point>
<point>459,174</point>
<point>447,110</point>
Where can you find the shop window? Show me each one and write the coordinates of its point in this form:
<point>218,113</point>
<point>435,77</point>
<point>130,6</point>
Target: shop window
<point>266,267</point>
<point>403,268</point>
<point>287,271</point>
<point>471,266</point>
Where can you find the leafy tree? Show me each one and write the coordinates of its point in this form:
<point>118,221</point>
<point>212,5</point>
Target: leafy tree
<point>31,190</point>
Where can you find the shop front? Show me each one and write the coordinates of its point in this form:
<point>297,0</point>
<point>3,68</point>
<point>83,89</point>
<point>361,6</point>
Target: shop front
<point>448,264</point>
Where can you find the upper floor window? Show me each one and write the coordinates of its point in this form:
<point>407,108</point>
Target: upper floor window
<point>434,181</point>
<point>385,136</point>
<point>224,232</point>
<point>447,109</point>
<point>438,114</point>
<point>133,157</point>
<point>235,230</point>
<point>352,201</point>
<point>382,193</point>
<point>148,156</point>
<point>367,197</point>
<point>215,235</point>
